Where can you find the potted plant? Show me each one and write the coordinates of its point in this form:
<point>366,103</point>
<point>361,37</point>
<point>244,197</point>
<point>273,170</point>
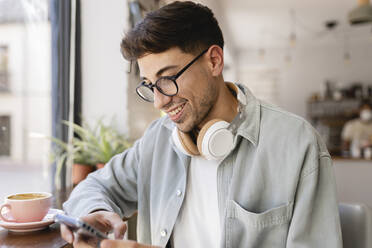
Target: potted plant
<point>80,151</point>
<point>109,142</point>
<point>90,149</point>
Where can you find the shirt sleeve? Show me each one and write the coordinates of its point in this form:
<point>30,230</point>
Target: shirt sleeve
<point>112,188</point>
<point>315,221</point>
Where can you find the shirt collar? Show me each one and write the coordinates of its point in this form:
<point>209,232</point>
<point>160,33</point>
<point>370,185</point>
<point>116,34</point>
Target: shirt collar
<point>250,128</point>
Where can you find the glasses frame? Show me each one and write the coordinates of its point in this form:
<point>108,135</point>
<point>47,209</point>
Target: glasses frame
<point>171,78</point>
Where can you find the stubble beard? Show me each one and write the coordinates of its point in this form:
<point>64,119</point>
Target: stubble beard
<point>205,104</point>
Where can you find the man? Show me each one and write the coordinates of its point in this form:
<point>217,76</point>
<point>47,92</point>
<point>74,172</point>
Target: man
<point>357,133</point>
<point>268,179</point>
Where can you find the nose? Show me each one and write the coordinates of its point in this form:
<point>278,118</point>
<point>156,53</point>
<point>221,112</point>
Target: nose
<point>160,100</point>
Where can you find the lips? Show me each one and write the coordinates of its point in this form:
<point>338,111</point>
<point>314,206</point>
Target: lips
<point>176,113</point>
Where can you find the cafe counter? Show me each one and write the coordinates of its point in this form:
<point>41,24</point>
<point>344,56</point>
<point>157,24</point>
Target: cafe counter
<point>353,179</point>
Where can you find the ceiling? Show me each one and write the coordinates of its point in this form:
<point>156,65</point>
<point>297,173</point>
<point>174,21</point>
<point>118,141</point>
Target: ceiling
<point>255,24</point>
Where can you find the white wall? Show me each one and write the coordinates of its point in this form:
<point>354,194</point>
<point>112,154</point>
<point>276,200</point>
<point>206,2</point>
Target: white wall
<point>308,70</point>
<point>230,52</point>
<point>37,91</point>
<point>104,79</point>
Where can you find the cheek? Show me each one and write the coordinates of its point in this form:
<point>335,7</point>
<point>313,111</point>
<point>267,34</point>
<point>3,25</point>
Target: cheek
<point>193,87</point>
<point>185,91</point>
<point>193,90</point>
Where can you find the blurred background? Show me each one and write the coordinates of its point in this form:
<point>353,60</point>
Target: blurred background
<point>60,60</point>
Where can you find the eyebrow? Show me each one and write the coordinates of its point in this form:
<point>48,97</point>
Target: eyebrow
<point>162,70</point>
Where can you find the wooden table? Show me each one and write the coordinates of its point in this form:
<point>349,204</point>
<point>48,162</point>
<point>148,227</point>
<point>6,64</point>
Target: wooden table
<point>47,238</point>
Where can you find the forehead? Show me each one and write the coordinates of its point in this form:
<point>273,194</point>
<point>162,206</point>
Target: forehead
<point>151,63</point>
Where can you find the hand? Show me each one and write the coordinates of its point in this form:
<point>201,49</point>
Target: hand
<point>123,244</point>
<point>102,220</point>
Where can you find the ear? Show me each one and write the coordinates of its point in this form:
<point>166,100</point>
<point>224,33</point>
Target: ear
<point>215,60</point>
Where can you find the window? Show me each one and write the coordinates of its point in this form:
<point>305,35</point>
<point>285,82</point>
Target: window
<point>4,68</point>
<point>25,109</point>
<point>5,136</point>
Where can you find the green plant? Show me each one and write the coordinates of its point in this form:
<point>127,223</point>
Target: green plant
<point>108,143</point>
<point>90,146</point>
<point>79,150</point>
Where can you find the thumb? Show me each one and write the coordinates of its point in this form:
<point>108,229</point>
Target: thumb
<point>119,227</point>
<point>66,234</point>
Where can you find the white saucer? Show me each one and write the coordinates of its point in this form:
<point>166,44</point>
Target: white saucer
<point>30,226</point>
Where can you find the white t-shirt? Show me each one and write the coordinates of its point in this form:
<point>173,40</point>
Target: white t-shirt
<point>198,222</point>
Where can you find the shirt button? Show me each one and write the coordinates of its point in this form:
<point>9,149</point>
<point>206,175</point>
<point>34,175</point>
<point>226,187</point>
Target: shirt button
<point>178,193</point>
<point>163,233</point>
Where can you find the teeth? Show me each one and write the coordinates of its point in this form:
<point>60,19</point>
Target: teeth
<point>176,111</point>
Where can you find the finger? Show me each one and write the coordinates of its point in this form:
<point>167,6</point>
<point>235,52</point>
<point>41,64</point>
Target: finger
<point>107,243</point>
<point>98,221</point>
<point>81,244</point>
<point>118,225</point>
<point>82,240</point>
<point>119,230</point>
<point>119,244</point>
<point>67,234</point>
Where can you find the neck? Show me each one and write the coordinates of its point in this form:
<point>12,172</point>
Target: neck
<point>225,107</point>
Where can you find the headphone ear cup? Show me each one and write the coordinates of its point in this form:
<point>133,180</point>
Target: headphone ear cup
<point>215,141</point>
<point>187,143</point>
<point>202,133</point>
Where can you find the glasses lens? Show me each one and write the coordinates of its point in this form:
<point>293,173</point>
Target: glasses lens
<point>146,93</point>
<point>167,86</point>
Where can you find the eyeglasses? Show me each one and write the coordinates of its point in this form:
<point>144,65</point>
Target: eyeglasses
<point>166,85</point>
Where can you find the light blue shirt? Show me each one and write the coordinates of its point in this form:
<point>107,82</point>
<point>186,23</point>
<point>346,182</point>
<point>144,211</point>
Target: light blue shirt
<point>275,189</point>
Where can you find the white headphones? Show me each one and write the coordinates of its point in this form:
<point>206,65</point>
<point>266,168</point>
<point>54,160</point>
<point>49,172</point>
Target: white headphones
<point>216,138</point>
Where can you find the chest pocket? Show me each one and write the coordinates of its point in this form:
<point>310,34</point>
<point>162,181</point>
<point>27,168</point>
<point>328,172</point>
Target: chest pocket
<point>266,229</point>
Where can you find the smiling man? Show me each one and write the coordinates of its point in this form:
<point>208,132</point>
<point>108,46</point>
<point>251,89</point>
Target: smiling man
<point>222,169</point>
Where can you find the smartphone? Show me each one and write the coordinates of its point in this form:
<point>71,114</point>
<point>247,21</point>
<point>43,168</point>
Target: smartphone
<point>77,225</point>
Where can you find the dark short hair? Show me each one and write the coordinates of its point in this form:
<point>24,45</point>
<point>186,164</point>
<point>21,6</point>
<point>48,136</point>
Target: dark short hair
<point>187,25</point>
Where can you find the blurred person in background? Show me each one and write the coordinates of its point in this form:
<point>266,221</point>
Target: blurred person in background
<point>357,133</point>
